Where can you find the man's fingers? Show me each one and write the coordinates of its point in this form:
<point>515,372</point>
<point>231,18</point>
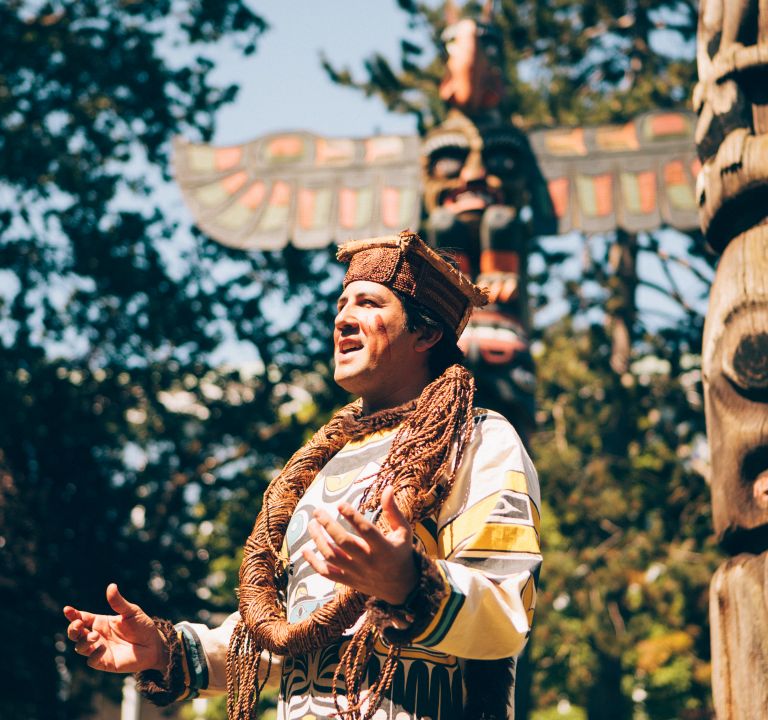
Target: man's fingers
<point>392,514</point>
<point>73,614</point>
<point>96,659</point>
<point>365,528</point>
<point>328,551</point>
<point>85,647</point>
<point>322,566</point>
<point>344,540</point>
<point>119,604</point>
<point>76,630</point>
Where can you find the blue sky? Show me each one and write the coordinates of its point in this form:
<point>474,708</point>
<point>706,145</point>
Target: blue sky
<point>283,86</point>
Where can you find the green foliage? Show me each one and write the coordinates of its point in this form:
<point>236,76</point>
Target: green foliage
<point>564,63</point>
<point>627,531</point>
<point>124,438</point>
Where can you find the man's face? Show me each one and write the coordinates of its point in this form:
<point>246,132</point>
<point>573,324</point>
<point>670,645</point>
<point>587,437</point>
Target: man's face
<point>374,353</point>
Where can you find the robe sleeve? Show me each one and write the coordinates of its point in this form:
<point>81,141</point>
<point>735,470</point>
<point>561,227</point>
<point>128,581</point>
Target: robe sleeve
<point>205,658</point>
<point>488,548</point>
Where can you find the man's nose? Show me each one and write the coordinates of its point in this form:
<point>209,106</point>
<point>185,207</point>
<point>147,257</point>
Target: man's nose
<point>345,318</point>
<point>474,168</point>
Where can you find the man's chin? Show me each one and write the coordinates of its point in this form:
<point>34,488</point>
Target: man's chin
<point>345,379</point>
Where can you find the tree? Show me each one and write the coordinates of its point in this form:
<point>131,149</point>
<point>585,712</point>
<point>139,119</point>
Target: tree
<point>123,434</point>
<point>629,548</point>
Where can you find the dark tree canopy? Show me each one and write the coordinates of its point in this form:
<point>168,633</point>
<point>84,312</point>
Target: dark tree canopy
<point>125,434</point>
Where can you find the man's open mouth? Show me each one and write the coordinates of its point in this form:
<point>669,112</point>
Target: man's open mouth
<point>349,347</point>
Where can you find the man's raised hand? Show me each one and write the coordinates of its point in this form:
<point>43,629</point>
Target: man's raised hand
<point>123,643</point>
<point>372,562</point>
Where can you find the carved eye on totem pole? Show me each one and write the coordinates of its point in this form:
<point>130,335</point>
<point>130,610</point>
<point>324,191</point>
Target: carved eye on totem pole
<point>735,366</point>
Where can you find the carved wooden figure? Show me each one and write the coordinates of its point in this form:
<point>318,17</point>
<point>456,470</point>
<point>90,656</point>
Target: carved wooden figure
<point>480,182</point>
<point>732,137</point>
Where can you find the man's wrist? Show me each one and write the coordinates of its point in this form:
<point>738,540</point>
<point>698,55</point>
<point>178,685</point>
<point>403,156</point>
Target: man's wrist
<point>400,623</point>
<point>410,584</point>
<point>162,654</point>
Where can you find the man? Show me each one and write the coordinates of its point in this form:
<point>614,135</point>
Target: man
<point>393,568</point>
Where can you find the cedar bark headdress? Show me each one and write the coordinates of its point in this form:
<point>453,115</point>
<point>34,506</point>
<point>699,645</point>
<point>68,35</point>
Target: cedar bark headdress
<point>407,264</point>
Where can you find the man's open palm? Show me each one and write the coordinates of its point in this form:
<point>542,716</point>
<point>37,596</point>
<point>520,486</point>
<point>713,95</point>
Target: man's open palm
<point>123,643</point>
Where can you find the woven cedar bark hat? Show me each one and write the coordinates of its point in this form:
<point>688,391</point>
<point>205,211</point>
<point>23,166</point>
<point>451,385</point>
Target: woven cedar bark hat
<point>407,264</point>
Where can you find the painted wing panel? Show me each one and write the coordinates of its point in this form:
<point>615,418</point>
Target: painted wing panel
<point>300,188</point>
<point>636,176</point>
<point>311,191</point>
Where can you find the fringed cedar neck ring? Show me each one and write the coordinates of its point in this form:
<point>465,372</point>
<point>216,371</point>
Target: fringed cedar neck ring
<point>420,466</point>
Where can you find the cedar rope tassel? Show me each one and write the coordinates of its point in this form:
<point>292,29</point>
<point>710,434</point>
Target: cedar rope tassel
<point>420,467</point>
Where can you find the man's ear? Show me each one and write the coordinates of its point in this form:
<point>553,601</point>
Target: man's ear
<point>427,338</point>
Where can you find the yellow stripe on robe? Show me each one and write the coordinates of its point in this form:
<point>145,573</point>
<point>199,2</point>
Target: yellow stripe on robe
<point>466,524</point>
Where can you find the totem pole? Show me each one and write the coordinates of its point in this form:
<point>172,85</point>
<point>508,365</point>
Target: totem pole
<point>481,190</point>
<point>732,137</point>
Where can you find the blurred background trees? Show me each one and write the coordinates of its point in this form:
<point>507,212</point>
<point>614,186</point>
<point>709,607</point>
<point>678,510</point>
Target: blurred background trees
<point>132,423</point>
<point>153,380</point>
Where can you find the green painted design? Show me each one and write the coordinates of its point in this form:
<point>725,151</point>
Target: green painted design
<point>630,189</point>
<point>585,189</point>
<point>681,197</point>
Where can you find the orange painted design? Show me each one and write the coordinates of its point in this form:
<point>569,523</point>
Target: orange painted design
<point>253,196</point>
<point>622,137</point>
<point>233,183</point>
<point>492,261</point>
<point>287,147</point>
<point>281,194</point>
<point>347,205</point>
<point>383,148</point>
<point>227,158</point>
<point>674,173</point>
<point>306,208</point>
<point>566,142</point>
<point>603,194</point>
<point>669,124</point>
<point>390,207</point>
<point>558,191</point>
<point>334,152</point>
<point>646,184</point>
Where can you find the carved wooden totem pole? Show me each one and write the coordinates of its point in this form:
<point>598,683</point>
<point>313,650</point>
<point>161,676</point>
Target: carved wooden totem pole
<point>481,191</point>
<point>732,137</point>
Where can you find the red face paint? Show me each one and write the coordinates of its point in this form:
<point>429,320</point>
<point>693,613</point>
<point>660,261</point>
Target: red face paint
<point>375,355</point>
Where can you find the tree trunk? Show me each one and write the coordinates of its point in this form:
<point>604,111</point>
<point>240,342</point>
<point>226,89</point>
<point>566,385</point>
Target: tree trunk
<point>605,700</point>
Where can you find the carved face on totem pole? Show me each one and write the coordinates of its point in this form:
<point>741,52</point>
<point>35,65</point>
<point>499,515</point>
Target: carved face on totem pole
<point>735,368</point>
<point>476,195</point>
<point>473,81</point>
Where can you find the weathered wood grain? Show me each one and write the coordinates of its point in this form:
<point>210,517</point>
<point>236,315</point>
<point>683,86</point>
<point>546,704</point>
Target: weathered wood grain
<point>738,609</point>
